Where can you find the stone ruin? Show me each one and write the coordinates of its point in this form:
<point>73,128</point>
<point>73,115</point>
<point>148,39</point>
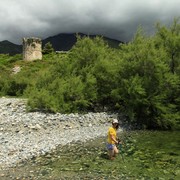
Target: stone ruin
<point>32,49</point>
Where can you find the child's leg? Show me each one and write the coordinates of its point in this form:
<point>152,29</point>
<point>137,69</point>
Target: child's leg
<point>110,150</point>
<point>115,151</point>
<point>111,154</point>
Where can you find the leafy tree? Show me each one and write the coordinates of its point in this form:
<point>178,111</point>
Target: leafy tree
<point>48,49</point>
<point>143,79</point>
<point>169,38</point>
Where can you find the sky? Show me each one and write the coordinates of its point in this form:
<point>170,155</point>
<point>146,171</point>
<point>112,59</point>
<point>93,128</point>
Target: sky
<point>117,19</point>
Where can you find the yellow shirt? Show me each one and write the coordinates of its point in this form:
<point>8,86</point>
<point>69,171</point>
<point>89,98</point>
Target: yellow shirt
<point>111,132</point>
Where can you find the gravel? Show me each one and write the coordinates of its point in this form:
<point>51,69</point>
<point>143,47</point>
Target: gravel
<point>24,135</point>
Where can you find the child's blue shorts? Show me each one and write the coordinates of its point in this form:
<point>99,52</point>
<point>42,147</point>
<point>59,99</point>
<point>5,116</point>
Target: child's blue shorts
<point>110,146</point>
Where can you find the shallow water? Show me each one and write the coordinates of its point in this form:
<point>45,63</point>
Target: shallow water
<point>143,155</point>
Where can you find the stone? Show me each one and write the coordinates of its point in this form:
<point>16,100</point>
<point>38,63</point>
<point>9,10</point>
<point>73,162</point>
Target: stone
<point>16,69</point>
<point>32,49</point>
<point>26,135</point>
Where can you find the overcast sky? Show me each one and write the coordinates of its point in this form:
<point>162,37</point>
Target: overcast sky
<point>116,19</point>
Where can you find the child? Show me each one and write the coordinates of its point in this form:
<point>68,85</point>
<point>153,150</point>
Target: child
<point>112,139</point>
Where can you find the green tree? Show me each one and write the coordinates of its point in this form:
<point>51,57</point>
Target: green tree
<point>169,38</point>
<point>48,48</point>
<point>144,83</point>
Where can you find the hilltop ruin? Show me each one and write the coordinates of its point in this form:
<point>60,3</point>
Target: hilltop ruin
<point>32,49</point>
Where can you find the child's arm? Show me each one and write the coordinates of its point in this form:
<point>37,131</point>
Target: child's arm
<point>113,138</point>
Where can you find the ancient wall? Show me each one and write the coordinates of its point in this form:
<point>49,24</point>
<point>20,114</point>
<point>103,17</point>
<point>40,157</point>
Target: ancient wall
<point>32,49</point>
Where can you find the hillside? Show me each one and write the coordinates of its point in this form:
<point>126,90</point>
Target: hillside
<point>10,48</point>
<point>60,42</point>
<point>64,42</point>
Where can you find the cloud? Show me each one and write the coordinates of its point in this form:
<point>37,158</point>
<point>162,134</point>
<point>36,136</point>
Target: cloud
<point>117,19</point>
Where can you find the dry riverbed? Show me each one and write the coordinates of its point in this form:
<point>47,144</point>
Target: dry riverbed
<point>26,135</point>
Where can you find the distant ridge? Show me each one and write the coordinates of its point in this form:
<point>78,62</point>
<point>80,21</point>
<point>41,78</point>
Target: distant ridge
<point>64,42</point>
<point>10,48</point>
<point>60,42</point>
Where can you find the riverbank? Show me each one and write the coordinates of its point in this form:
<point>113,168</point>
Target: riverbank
<point>26,135</point>
<point>145,155</point>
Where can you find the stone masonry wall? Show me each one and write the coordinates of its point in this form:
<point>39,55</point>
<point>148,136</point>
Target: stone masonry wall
<point>32,49</point>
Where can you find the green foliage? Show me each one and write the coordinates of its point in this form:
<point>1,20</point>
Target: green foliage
<point>6,60</point>
<point>146,84</point>
<point>141,79</point>
<point>169,38</point>
<point>12,87</point>
<point>48,48</point>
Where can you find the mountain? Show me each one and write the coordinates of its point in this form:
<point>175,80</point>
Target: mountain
<point>64,42</point>
<point>7,47</point>
<point>60,42</point>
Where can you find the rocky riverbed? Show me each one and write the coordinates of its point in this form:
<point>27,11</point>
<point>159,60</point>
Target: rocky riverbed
<point>24,135</point>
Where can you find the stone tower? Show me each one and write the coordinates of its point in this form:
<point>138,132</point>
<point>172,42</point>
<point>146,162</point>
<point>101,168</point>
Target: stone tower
<point>32,49</point>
